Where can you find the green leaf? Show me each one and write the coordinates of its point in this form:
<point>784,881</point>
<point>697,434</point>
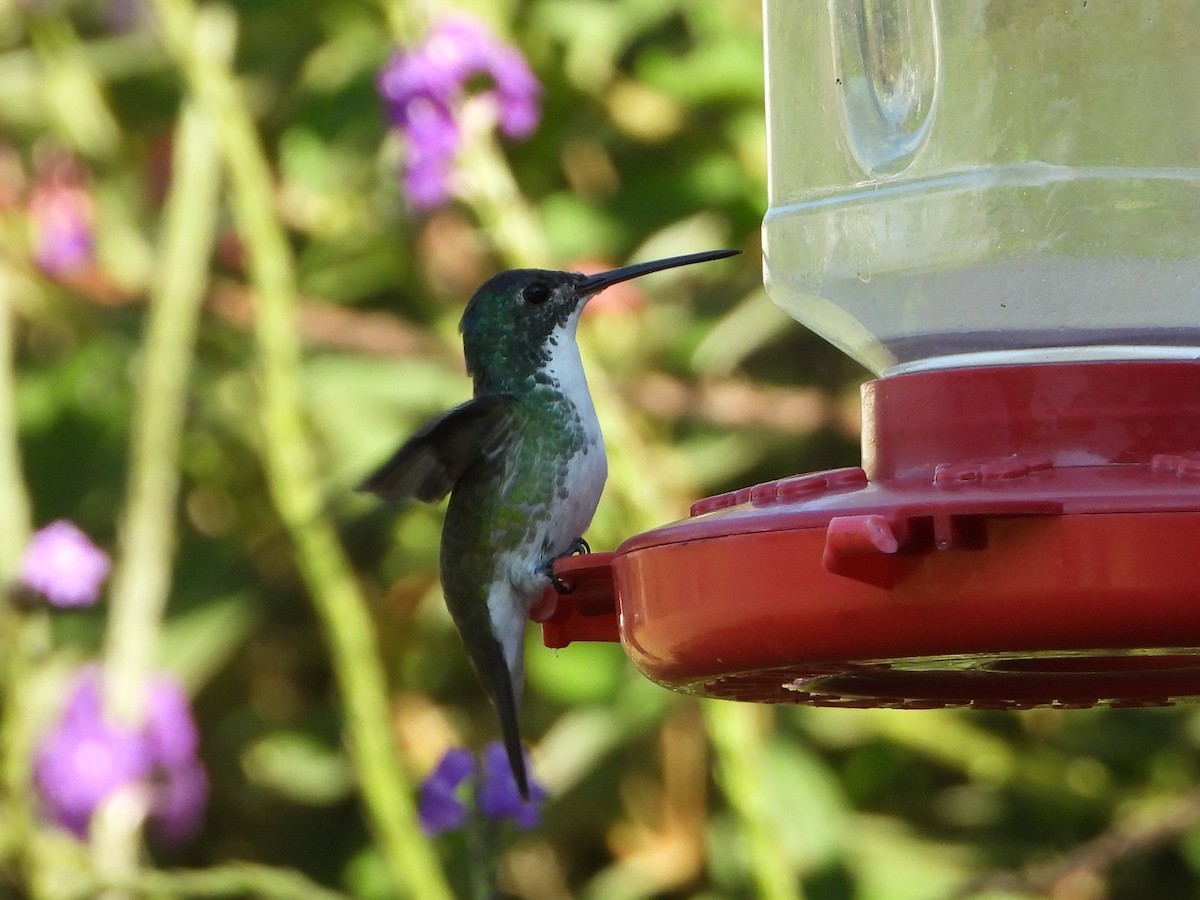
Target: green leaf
<point>299,768</point>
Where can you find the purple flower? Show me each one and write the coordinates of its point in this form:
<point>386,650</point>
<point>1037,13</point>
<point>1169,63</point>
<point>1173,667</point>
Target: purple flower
<point>61,213</point>
<point>423,88</point>
<point>498,796</point>
<point>432,143</point>
<point>123,16</point>
<point>440,808</point>
<point>84,759</point>
<point>178,804</point>
<point>78,766</point>
<point>171,732</point>
<point>64,566</point>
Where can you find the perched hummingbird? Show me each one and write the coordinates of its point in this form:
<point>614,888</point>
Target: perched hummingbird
<point>523,462</point>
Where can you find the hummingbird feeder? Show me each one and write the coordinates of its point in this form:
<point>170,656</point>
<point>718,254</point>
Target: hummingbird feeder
<point>995,207</point>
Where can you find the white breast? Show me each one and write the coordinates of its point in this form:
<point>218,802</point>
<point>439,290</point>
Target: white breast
<point>522,580</point>
<point>588,470</point>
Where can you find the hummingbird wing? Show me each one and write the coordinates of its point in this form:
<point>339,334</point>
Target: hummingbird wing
<point>433,460</point>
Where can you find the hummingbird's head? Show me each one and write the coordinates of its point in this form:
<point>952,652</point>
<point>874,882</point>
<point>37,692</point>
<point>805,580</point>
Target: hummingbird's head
<point>516,320</point>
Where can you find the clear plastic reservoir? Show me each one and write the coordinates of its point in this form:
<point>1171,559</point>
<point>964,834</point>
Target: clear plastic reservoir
<point>956,182</point>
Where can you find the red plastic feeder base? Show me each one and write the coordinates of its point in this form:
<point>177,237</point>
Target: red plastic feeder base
<point>1017,536</point>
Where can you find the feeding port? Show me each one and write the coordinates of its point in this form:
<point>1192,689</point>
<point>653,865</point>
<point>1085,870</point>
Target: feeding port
<point>996,208</point>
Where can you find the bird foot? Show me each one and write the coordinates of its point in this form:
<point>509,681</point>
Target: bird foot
<point>561,586</point>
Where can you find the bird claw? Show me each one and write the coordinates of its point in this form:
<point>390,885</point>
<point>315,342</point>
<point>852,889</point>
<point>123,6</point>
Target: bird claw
<point>561,586</point>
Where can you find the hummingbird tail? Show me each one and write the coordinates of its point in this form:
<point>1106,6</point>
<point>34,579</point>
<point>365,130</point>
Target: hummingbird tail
<point>505,699</point>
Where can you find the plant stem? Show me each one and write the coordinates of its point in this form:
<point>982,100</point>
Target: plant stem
<point>14,501</point>
<point>487,184</point>
<point>292,470</point>
<point>482,837</point>
<point>73,94</point>
<point>737,730</point>
<point>229,880</point>
<point>142,578</point>
<point>19,632</point>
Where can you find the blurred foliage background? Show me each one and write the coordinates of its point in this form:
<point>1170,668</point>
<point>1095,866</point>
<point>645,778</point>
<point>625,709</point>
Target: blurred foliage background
<point>324,334</point>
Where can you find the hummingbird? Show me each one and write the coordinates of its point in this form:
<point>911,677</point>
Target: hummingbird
<point>523,462</point>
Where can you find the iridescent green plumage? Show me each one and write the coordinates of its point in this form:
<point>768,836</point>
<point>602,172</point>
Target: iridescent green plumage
<point>499,504</point>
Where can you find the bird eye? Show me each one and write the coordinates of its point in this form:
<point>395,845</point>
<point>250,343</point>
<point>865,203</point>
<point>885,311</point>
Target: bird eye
<point>536,294</point>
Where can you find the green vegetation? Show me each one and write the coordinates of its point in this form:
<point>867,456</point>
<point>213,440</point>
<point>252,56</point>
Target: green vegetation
<point>219,312</point>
